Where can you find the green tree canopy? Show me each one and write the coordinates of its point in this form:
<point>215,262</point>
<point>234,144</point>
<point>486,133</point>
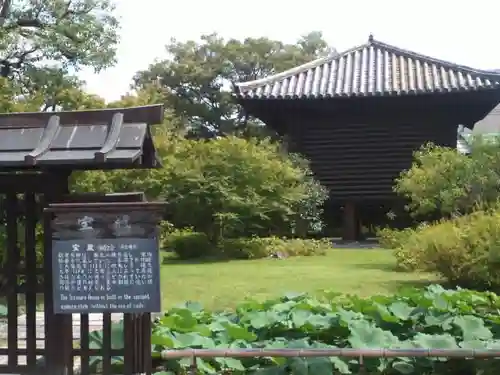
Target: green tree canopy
<point>223,187</point>
<point>42,42</point>
<point>441,180</point>
<point>197,76</point>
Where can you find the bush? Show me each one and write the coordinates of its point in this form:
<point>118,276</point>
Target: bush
<point>399,240</point>
<point>226,187</point>
<point>389,238</point>
<point>255,247</point>
<point>186,243</point>
<point>464,250</point>
<point>443,181</point>
<point>165,229</point>
<point>411,260</point>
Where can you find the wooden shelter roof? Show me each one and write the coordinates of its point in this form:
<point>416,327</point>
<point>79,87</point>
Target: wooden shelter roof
<point>94,139</point>
<point>372,69</point>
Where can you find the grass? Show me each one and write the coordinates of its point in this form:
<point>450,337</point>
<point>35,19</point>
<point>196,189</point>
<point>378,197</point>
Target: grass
<point>219,285</point>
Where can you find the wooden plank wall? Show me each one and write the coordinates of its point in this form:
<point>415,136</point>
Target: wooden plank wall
<point>360,161</point>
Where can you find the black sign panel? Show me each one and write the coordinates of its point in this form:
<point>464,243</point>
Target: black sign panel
<point>106,275</point>
<point>105,263</point>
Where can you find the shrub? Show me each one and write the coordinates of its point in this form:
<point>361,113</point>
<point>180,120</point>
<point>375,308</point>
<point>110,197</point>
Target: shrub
<point>401,240</point>
<point>389,238</point>
<point>165,229</point>
<point>256,247</point>
<point>187,244</point>
<point>228,187</point>
<point>443,181</point>
<point>409,255</point>
<point>464,250</point>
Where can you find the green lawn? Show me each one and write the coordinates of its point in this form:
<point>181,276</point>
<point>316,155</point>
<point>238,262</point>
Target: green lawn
<point>224,284</point>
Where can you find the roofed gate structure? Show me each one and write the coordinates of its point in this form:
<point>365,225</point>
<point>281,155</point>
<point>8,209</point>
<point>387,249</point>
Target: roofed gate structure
<point>359,115</point>
<point>38,153</point>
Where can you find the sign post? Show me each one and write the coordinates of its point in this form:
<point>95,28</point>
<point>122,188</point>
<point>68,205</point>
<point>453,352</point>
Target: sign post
<point>105,259</point>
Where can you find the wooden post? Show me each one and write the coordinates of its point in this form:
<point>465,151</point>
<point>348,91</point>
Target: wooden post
<point>351,228</point>
<point>58,331</point>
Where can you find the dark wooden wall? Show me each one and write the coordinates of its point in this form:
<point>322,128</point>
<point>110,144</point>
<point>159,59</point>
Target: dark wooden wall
<point>359,161</point>
<point>358,146</point>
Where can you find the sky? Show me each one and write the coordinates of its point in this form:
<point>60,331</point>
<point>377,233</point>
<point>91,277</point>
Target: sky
<point>464,33</point>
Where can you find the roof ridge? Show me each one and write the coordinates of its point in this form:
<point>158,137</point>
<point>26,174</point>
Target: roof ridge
<point>371,42</point>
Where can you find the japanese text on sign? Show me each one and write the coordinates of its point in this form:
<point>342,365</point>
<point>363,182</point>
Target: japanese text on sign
<point>106,275</point>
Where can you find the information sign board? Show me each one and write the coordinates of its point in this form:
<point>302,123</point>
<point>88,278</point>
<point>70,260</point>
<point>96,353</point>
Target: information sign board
<point>105,262</point>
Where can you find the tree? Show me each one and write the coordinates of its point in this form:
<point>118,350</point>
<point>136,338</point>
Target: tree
<point>11,99</point>
<point>151,94</point>
<point>41,41</point>
<point>228,187</point>
<point>235,187</point>
<point>197,77</point>
<point>443,181</point>
<point>65,96</point>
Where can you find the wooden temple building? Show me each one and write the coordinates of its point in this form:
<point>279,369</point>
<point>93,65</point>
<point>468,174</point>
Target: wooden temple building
<point>359,115</point>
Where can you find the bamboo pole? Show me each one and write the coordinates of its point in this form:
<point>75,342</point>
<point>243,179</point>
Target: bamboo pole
<point>346,353</point>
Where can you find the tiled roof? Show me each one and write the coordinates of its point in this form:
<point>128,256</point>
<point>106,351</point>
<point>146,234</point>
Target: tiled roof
<point>91,139</point>
<point>372,69</point>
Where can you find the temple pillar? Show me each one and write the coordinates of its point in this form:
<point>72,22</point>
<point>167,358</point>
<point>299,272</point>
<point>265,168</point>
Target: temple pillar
<point>351,225</point>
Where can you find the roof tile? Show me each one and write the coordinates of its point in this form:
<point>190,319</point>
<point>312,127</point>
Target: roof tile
<point>372,69</point>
